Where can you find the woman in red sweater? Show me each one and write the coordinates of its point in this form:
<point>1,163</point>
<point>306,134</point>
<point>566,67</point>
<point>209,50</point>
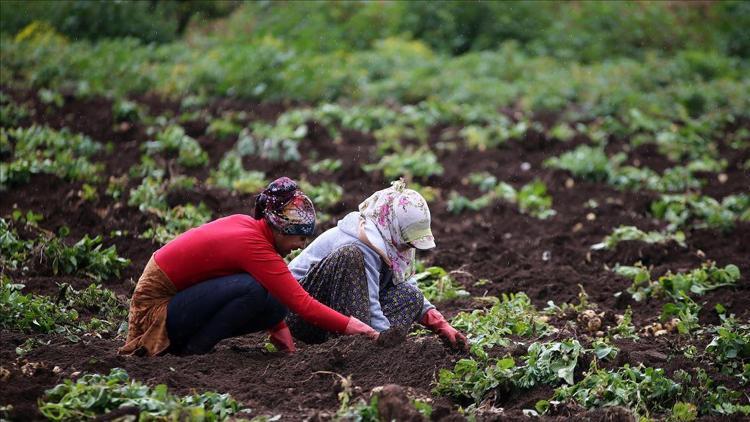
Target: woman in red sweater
<point>227,278</point>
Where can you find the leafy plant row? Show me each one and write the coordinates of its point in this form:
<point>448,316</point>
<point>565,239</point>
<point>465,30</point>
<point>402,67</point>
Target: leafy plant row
<point>698,281</point>
<point>33,313</point>
<point>231,175</point>
<point>280,141</point>
<point>644,391</point>
<point>41,150</point>
<point>678,288</point>
<point>692,210</point>
<point>94,395</point>
<point>689,83</point>
<point>592,163</point>
<point>84,258</point>
<point>648,392</point>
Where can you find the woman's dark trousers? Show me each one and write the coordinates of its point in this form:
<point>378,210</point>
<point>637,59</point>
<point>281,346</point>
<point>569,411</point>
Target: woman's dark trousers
<point>210,311</point>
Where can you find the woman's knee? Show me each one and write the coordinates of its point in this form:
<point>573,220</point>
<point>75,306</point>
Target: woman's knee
<point>413,294</point>
<point>250,290</point>
<point>348,262</point>
<point>275,311</point>
<point>349,255</point>
<point>404,296</point>
<point>257,297</point>
<point>245,283</point>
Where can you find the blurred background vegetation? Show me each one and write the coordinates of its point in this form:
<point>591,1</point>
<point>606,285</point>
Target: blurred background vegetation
<point>581,30</point>
<point>663,57</point>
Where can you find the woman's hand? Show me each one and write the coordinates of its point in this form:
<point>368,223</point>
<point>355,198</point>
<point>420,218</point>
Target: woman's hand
<point>356,326</point>
<point>281,337</point>
<point>435,321</point>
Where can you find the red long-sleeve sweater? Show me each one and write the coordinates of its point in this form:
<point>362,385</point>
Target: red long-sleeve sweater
<point>235,244</point>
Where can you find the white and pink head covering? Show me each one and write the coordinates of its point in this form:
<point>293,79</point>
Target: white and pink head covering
<point>401,218</point>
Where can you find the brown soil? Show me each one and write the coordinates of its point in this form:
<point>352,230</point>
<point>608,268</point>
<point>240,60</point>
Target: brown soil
<point>546,259</point>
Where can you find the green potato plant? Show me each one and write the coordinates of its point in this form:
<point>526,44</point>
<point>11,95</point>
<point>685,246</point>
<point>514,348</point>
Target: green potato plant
<point>412,163</point>
<point>85,257</point>
<point>231,174</point>
<point>436,284</point>
<point>629,233</point>
<point>173,139</point>
<point>176,221</point>
<point>511,315</point>
<point>730,348</point>
<point>11,113</point>
<point>697,281</point>
<point>547,363</point>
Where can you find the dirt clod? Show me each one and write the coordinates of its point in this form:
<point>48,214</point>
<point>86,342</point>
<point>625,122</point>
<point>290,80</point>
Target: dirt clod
<point>611,414</point>
<point>391,337</point>
<point>394,405</point>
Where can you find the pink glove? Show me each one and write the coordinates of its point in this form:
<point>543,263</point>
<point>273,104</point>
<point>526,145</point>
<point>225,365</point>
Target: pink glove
<point>356,326</point>
<point>435,321</point>
<point>281,337</point>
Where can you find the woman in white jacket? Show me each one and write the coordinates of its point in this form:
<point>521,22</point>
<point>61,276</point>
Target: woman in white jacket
<point>364,267</point>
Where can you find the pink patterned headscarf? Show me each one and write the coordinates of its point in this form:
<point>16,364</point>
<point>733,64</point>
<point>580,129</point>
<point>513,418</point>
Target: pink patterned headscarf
<point>402,218</point>
<point>286,208</point>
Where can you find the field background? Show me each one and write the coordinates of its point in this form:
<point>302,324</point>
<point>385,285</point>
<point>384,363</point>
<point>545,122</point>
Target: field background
<point>587,165</point>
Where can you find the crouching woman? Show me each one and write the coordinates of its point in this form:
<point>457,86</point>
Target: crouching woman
<point>365,265</point>
<point>227,278</point>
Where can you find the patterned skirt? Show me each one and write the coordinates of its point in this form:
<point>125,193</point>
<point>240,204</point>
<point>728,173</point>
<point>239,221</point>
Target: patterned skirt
<point>339,281</point>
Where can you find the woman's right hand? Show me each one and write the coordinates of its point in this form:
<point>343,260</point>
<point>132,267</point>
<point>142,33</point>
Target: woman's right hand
<point>281,337</point>
<point>356,326</point>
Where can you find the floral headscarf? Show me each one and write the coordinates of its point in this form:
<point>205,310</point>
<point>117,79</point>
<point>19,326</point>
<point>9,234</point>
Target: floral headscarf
<point>402,219</point>
<point>286,208</point>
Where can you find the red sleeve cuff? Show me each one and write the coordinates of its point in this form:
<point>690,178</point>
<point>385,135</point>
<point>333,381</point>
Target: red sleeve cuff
<point>279,326</point>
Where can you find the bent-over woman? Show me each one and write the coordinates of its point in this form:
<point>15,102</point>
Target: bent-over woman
<point>227,278</point>
<point>365,265</point>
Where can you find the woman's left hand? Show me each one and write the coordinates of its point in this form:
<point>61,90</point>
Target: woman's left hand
<point>435,321</point>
